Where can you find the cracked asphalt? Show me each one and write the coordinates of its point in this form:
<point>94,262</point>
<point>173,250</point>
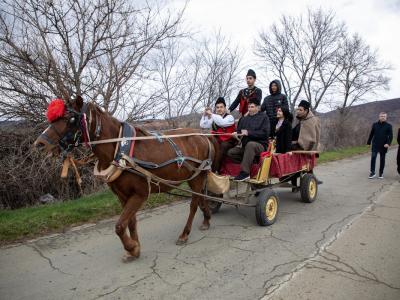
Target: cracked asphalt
<point>343,246</point>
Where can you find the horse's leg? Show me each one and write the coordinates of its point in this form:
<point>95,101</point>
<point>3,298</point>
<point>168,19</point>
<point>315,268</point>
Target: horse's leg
<point>134,235</point>
<point>131,206</point>
<point>185,234</point>
<point>199,187</point>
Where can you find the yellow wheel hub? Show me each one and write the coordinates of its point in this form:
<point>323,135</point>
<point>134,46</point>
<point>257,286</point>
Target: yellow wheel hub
<point>312,188</point>
<point>271,207</point>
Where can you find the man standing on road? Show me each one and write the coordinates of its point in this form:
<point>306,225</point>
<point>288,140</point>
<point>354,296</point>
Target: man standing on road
<point>244,96</point>
<point>398,152</point>
<point>381,137</point>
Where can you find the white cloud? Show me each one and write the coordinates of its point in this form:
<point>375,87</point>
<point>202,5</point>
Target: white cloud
<point>378,22</point>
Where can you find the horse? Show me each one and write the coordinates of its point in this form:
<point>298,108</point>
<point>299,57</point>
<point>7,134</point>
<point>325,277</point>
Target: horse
<point>66,130</point>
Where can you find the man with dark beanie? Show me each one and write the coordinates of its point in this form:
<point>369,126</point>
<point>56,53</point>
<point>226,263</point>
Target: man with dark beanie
<point>220,122</point>
<point>381,137</point>
<point>251,92</point>
<point>254,128</point>
<point>274,101</point>
<point>306,133</point>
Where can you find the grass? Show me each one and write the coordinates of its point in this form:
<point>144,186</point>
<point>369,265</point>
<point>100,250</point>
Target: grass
<point>333,155</point>
<point>34,221</point>
<point>30,222</point>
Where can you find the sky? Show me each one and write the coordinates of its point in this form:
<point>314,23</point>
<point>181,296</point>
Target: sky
<point>377,21</point>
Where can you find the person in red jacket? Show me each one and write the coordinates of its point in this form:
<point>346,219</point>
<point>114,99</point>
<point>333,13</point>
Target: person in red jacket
<point>220,122</point>
<point>251,92</point>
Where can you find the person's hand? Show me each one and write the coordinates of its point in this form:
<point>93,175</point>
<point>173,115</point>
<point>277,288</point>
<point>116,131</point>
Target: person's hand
<point>290,153</point>
<point>245,132</point>
<point>386,145</point>
<point>246,114</point>
<point>368,145</point>
<point>208,111</point>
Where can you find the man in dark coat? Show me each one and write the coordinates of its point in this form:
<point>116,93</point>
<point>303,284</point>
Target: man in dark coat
<point>251,92</point>
<point>381,137</point>
<point>254,129</point>
<point>398,151</point>
<point>274,101</point>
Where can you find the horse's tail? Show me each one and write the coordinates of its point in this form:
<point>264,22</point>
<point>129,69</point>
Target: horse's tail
<point>215,151</point>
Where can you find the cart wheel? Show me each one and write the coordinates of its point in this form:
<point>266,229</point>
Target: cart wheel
<point>267,207</point>
<point>214,206</point>
<point>308,188</point>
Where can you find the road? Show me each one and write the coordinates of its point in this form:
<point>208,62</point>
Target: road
<point>343,246</point>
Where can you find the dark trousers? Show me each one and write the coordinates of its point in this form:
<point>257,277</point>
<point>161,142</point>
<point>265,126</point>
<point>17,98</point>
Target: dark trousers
<point>223,151</point>
<point>382,155</point>
<point>398,160</point>
<point>246,155</point>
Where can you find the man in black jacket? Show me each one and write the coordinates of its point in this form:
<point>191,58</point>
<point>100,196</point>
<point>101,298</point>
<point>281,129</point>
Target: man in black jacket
<point>254,129</point>
<point>381,137</point>
<point>274,101</point>
<point>251,92</point>
<point>398,151</point>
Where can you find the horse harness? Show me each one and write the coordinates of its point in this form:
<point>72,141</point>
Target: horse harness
<point>124,159</point>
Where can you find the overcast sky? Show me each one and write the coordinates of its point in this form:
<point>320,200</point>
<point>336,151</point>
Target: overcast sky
<point>377,21</point>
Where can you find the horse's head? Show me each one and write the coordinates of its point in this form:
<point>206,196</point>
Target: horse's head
<point>65,129</point>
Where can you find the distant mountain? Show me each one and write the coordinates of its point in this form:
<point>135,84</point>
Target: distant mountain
<point>369,112</point>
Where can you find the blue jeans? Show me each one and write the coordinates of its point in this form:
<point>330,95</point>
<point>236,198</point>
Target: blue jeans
<point>382,155</point>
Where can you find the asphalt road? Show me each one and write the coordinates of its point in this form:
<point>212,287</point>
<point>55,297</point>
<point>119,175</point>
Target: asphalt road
<point>343,246</point>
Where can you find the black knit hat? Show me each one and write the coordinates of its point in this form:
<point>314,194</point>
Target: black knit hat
<point>305,104</point>
<point>250,72</point>
<point>220,100</point>
<point>254,101</point>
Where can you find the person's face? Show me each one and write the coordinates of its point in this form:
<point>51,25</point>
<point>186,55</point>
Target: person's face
<point>250,80</point>
<point>220,109</point>
<point>382,117</point>
<point>253,109</point>
<point>274,88</point>
<point>279,113</point>
<point>301,112</point>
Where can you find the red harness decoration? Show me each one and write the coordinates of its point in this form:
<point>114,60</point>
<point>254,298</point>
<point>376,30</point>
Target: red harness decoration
<point>55,110</point>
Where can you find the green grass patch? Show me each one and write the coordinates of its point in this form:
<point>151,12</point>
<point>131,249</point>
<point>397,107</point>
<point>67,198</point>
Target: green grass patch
<point>34,221</point>
<point>333,155</point>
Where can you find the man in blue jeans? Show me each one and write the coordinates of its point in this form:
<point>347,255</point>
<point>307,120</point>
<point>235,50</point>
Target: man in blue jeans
<point>381,137</point>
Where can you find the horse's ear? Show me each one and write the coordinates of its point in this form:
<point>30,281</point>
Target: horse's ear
<point>78,102</point>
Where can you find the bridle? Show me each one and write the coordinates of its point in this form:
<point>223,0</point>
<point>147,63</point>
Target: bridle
<point>72,139</point>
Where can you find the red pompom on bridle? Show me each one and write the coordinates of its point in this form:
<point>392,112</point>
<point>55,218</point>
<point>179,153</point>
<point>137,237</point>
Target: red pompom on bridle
<point>55,110</point>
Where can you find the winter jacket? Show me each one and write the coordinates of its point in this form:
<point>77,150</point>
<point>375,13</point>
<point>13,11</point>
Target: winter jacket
<point>381,134</point>
<point>257,126</point>
<point>308,131</point>
<point>243,98</point>
<point>274,101</point>
<point>284,137</point>
<point>398,152</point>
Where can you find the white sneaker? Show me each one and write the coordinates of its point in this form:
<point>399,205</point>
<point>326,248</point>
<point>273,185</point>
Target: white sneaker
<point>371,175</point>
<point>380,176</point>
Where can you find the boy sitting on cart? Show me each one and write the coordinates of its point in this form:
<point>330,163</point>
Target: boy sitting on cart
<point>254,129</point>
<point>220,122</point>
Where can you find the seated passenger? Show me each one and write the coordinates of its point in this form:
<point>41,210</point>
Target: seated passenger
<point>283,130</point>
<point>254,129</point>
<point>220,122</point>
<point>306,133</point>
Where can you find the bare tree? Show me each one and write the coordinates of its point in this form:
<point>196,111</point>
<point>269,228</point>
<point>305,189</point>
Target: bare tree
<point>362,74</point>
<point>301,52</point>
<point>98,49</point>
<point>192,79</point>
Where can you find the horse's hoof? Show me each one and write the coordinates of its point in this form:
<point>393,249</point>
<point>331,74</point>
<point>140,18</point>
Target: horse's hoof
<point>180,241</point>
<point>128,258</point>
<point>204,227</point>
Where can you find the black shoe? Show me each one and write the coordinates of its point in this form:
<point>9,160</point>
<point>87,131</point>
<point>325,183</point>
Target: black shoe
<point>319,181</point>
<point>242,176</point>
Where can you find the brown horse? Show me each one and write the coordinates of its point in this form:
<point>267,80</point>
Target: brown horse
<point>131,189</point>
